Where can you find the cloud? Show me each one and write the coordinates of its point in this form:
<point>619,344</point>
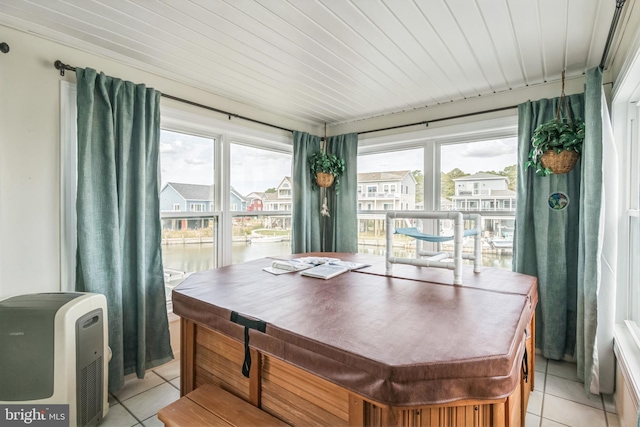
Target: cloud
<point>487,149</point>
<point>196,162</point>
<point>167,148</point>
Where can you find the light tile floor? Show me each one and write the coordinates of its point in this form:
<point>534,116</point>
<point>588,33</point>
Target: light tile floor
<point>559,399</point>
<point>139,401</point>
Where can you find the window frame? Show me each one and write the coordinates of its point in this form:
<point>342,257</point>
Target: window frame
<point>431,140</point>
<point>202,124</point>
<point>225,134</point>
<point>631,208</point>
<point>625,114</point>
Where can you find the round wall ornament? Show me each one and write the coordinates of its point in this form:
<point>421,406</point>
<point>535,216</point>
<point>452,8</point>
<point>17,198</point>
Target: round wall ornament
<point>558,201</point>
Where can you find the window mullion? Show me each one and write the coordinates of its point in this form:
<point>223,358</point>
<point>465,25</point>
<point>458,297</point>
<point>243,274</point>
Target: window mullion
<point>223,194</point>
<point>431,190</point>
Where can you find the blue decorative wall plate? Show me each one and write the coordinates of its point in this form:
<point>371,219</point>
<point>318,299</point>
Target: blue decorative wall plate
<point>558,201</point>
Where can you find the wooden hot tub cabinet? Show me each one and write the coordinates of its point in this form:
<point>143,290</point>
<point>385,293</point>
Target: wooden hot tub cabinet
<point>308,375</point>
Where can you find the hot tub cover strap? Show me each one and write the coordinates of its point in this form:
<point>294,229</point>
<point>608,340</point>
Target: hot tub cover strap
<point>256,324</point>
<point>525,366</point>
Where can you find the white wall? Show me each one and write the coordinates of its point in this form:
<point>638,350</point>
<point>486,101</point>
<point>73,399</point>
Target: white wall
<point>29,171</point>
<point>30,151</point>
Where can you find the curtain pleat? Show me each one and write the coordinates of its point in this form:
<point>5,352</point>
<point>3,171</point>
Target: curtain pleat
<point>305,222</point>
<point>311,231</point>
<point>594,283</point>
<point>545,239</point>
<point>119,234</point>
<point>341,228</point>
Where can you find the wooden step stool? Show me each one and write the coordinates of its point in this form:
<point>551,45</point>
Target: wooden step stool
<point>209,405</point>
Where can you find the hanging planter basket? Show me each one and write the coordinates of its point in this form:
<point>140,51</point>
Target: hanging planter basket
<point>324,180</point>
<point>326,169</point>
<point>557,143</point>
<point>559,163</point>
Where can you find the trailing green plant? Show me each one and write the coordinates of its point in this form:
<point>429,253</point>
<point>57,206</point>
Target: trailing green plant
<point>327,163</point>
<point>557,135</point>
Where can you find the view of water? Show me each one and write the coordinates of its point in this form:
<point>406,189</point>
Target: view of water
<point>199,257</point>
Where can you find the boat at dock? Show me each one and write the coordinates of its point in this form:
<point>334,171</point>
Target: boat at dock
<point>499,243</point>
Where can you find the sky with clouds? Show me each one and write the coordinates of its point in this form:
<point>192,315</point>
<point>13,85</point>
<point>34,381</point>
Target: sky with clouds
<point>480,156</point>
<point>185,158</point>
<point>469,157</point>
<point>189,159</point>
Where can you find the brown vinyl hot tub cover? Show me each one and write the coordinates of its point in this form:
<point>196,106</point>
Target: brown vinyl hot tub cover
<point>400,341</point>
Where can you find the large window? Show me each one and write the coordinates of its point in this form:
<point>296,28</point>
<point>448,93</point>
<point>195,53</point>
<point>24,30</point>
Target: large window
<point>261,183</point>
<point>382,175</point>
<point>480,177</point>
<point>471,169</point>
<point>189,238</point>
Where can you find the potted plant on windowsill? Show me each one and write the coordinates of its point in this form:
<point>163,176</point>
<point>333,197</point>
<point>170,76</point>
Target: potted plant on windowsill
<point>326,168</point>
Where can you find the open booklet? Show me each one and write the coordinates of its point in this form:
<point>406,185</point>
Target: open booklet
<point>333,266</point>
<point>286,266</point>
<point>325,271</point>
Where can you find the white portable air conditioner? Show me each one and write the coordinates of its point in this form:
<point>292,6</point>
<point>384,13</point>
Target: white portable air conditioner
<point>53,350</point>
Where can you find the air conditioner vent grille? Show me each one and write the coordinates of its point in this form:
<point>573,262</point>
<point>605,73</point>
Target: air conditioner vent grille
<point>90,398</point>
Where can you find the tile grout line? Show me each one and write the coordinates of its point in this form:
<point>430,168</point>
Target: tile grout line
<point>166,379</point>
<point>544,395</point>
<point>134,395</point>
<point>547,374</point>
<point>141,422</point>
<point>130,397</point>
<point>126,409</point>
<point>544,392</point>
<point>572,398</point>
<point>604,409</point>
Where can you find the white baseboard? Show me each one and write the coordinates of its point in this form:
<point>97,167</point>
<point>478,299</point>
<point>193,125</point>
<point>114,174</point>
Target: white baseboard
<point>627,394</point>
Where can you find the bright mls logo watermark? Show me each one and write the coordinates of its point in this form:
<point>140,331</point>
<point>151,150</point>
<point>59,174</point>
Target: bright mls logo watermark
<point>34,415</point>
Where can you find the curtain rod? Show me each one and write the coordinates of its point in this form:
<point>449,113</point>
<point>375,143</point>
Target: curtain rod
<point>62,67</point>
<point>612,31</point>
<point>426,122</point>
<point>459,116</point>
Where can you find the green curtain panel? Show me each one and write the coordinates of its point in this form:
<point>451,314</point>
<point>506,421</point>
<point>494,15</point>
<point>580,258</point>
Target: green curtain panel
<point>311,231</point>
<point>341,228</point>
<point>119,252</point>
<point>305,221</point>
<point>591,241</point>
<point>546,239</point>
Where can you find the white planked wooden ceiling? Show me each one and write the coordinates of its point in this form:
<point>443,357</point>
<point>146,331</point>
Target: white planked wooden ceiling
<point>333,61</point>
